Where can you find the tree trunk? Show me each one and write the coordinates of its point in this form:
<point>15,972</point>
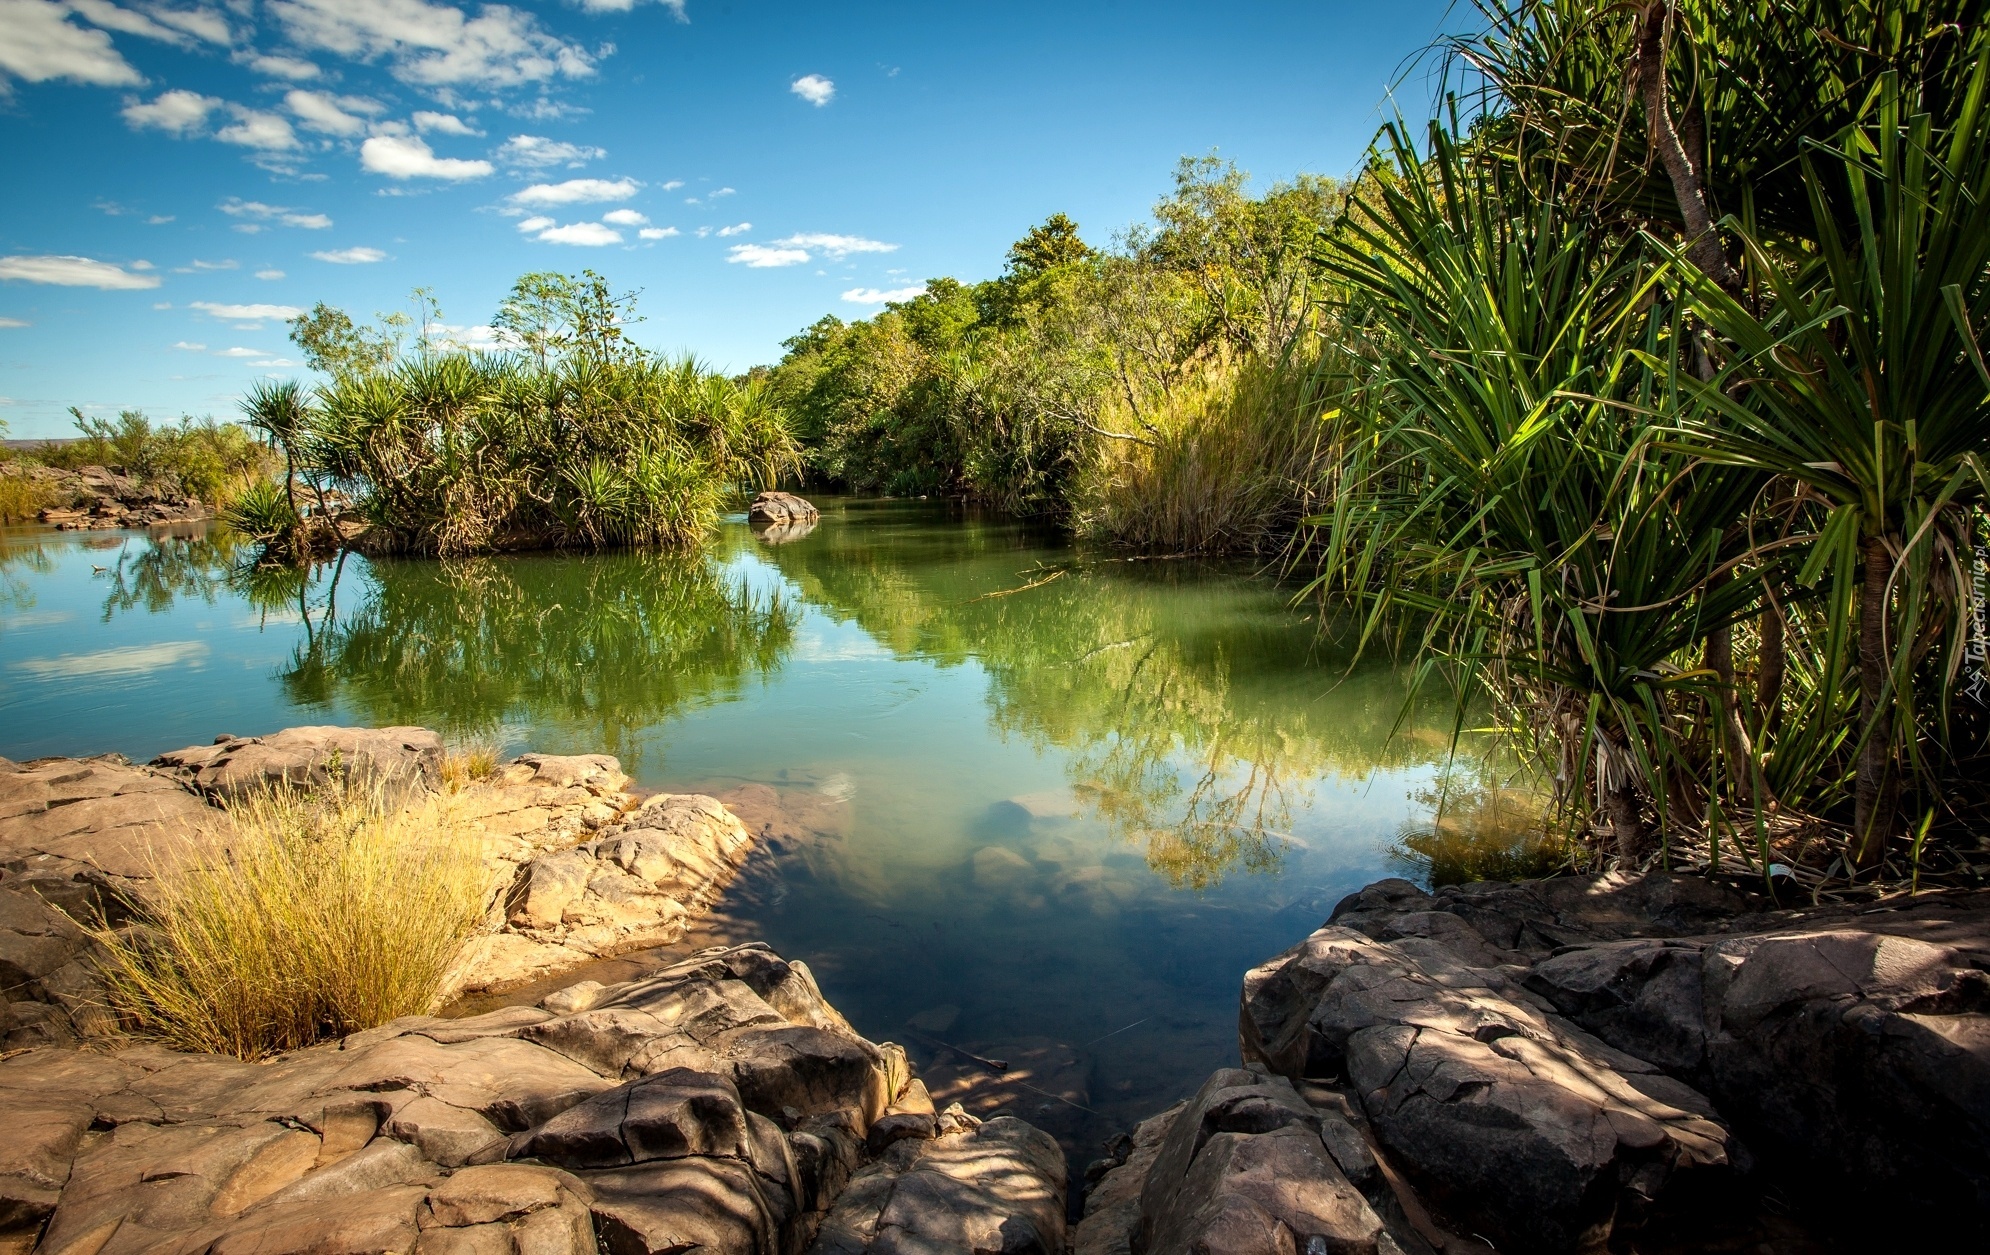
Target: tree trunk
<point>1877,793</point>
<point>1627,826</point>
<point>1770,667</point>
<point>1683,166</point>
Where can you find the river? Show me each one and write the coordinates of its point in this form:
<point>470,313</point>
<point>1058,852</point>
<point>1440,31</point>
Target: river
<point>1020,797</point>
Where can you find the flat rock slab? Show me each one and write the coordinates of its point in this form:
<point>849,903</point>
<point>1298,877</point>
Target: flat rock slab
<point>400,760</point>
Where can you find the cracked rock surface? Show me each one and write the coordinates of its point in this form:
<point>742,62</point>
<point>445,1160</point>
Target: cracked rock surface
<point>1556,1061</point>
<point>719,1105</point>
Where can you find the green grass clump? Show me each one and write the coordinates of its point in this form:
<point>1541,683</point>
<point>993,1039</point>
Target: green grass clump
<point>324,914</point>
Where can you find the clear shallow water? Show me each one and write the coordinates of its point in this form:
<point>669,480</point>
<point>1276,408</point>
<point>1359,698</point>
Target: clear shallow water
<point>1027,819</point>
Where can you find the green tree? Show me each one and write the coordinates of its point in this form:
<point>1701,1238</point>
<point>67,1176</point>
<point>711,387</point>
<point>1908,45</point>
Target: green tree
<point>1049,245</point>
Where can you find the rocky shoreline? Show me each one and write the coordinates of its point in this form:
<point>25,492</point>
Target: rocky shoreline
<point>99,498</point>
<point>1572,1064</point>
<point>1578,1064</point>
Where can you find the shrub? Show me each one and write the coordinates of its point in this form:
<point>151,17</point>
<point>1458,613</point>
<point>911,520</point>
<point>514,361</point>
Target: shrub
<point>326,914</point>
<point>21,498</point>
<point>260,511</point>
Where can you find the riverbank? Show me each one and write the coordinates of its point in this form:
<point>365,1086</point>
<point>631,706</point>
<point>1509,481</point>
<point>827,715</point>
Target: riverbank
<point>1653,1063</point>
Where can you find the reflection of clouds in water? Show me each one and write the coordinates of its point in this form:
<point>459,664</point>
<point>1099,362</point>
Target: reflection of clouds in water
<point>846,646</point>
<point>260,620</point>
<point>33,619</point>
<point>126,660</point>
<point>838,787</point>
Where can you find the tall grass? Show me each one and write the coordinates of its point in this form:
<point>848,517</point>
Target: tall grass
<point>1224,463</point>
<point>324,915</point>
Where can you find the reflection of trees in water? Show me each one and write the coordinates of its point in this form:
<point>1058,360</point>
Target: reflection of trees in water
<point>16,560</point>
<point>164,569</point>
<point>1486,822</point>
<point>1194,707</point>
<point>601,646</point>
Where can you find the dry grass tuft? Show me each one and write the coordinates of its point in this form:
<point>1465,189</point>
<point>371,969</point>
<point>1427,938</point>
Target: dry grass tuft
<point>465,764</point>
<point>326,914</point>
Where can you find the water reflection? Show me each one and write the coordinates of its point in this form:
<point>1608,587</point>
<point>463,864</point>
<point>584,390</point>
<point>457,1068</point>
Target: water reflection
<point>603,647</point>
<point>1193,714</point>
<point>1193,710</point>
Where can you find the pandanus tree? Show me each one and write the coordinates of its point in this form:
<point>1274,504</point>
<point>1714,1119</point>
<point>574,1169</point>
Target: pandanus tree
<point>1498,486</point>
<point>1859,374</point>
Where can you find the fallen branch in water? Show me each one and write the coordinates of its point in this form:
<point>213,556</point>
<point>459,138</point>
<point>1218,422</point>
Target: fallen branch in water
<point>997,1066</point>
<point>1009,592</point>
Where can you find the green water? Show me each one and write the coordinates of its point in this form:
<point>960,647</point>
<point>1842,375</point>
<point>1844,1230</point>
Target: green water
<point>1038,817</point>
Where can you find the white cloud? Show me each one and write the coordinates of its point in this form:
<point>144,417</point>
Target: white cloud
<point>536,152</point>
<point>295,69</point>
<point>157,220</point>
<point>724,191</point>
<point>333,115</point>
<point>673,185</point>
<point>11,323</point>
<point>676,7</point>
<point>837,246</point>
<point>737,228</point>
<point>351,256</point>
<point>235,207</point>
<point>75,272</point>
<point>814,88</point>
<point>406,158</point>
<point>657,233</point>
<point>436,45</point>
<point>245,313</point>
<point>760,257</point>
<point>480,339</point>
<point>535,223</point>
<point>178,112</point>
<point>189,346</point>
<point>589,234</point>
<point>197,266</point>
<point>443,123</point>
<point>253,128</point>
<point>271,273</point>
<point>240,352</point>
<point>112,18</point>
<point>201,23</point>
<point>40,44</point>
<point>575,191</point>
<point>625,217</point>
<point>873,296</point>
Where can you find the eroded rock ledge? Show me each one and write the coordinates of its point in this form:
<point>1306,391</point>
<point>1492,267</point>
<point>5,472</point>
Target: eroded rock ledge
<point>580,867</point>
<point>1555,1063</point>
<point>720,1105</point>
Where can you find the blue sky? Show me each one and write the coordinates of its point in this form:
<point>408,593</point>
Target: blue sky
<point>183,174</point>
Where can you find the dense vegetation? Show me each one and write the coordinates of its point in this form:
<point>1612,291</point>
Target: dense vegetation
<point>573,437</point>
<point>1143,394</point>
<point>1642,394</point>
<point>198,458</point>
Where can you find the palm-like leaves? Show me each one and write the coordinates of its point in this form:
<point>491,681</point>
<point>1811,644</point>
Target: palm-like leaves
<point>1863,379</point>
